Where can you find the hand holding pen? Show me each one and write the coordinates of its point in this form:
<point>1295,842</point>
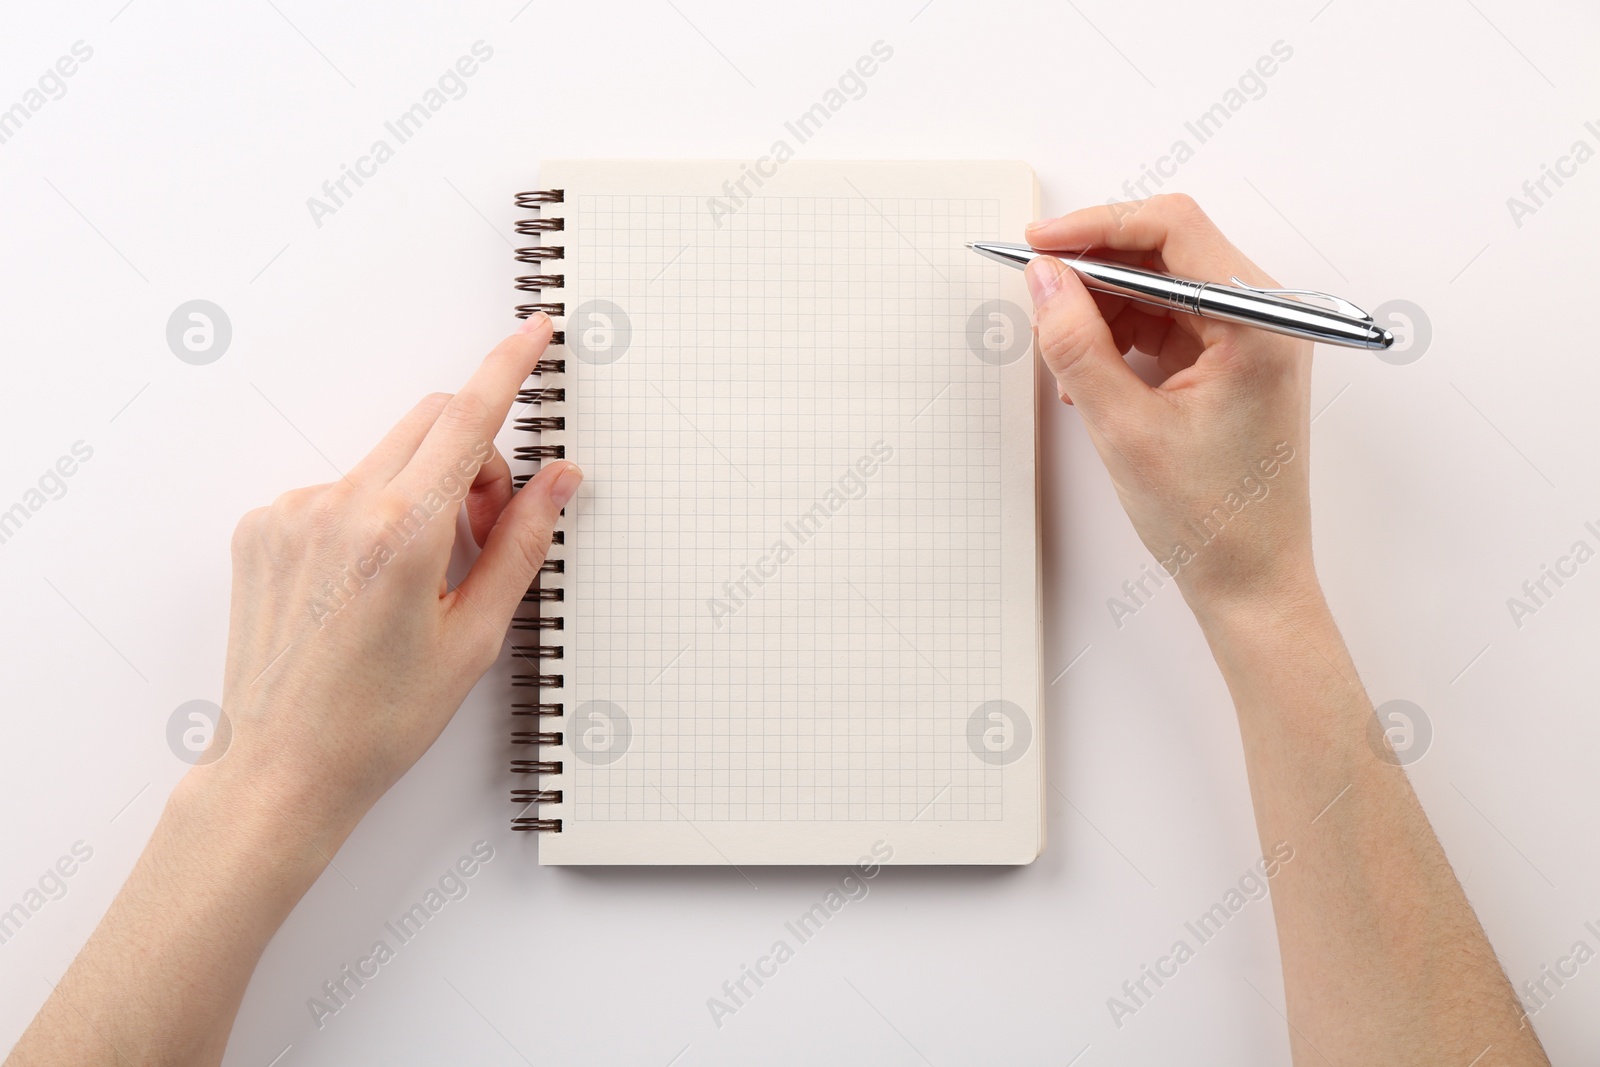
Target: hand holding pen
<point>1208,451</point>
<point>1221,421</point>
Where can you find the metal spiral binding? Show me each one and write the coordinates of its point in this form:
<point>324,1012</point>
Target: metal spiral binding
<point>545,618</point>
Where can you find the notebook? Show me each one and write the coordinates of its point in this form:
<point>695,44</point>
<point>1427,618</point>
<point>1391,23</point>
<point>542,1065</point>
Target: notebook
<point>792,615</point>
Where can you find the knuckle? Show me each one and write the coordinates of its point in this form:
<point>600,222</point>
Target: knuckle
<point>391,511</point>
<point>1189,217</point>
<point>532,545</point>
<point>430,407</point>
<point>326,511</point>
<point>315,512</point>
<point>293,501</point>
<point>247,531</point>
<point>465,411</point>
<point>1064,340</point>
<point>1181,204</point>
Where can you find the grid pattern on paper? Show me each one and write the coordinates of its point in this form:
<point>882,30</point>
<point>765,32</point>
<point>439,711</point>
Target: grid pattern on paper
<point>782,653</point>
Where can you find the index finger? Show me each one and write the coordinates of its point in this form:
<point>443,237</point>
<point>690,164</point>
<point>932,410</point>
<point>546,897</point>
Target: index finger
<point>474,415</point>
<point>1172,225</point>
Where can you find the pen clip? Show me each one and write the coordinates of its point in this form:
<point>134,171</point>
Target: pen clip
<point>1340,304</point>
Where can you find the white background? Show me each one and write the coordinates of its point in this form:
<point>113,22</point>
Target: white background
<point>1377,165</point>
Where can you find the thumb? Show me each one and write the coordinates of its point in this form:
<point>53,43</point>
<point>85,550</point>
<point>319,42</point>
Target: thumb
<point>517,544</point>
<point>1076,343</point>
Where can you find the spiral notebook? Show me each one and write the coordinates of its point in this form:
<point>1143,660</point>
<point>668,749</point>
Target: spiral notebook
<point>792,614</point>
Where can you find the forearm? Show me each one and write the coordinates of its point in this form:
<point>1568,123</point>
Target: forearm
<point>161,978</point>
<point>1383,958</point>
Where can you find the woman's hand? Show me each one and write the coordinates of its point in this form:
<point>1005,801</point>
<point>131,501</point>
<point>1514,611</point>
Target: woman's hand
<point>1383,959</point>
<point>347,654</point>
<point>347,651</point>
<point>1212,463</point>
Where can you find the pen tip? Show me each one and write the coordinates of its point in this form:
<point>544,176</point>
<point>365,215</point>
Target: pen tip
<point>1388,339</point>
<point>972,245</point>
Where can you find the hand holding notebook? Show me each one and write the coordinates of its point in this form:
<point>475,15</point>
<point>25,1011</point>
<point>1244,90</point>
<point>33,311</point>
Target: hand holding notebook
<point>348,653</point>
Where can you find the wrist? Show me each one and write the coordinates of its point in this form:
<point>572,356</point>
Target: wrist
<point>1288,597</point>
<point>1279,638</point>
<point>245,821</point>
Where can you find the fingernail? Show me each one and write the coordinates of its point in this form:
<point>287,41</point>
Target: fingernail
<point>1035,224</point>
<point>1044,278</point>
<point>566,484</point>
<point>537,321</point>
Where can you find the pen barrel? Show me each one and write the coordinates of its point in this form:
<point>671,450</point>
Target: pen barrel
<point>1262,311</point>
<point>1141,285</point>
<point>1293,318</point>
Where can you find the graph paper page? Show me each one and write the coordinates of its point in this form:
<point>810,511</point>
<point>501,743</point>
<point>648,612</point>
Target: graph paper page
<point>800,588</point>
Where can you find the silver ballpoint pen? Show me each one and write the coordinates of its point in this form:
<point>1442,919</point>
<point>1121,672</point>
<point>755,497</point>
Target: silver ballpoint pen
<point>1277,310</point>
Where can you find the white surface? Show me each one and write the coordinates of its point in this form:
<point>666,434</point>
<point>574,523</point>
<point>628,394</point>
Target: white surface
<point>191,140</point>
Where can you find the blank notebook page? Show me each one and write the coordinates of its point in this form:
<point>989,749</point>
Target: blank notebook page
<point>800,584</point>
